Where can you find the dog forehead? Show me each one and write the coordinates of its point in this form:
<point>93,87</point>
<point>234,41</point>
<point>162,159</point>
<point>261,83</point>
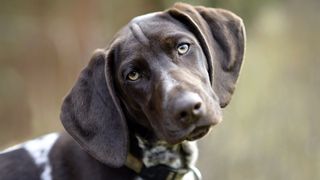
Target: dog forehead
<point>149,31</point>
<point>156,24</point>
<point>145,17</point>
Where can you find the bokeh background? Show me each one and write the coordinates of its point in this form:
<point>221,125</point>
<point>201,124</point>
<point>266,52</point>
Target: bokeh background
<point>271,129</point>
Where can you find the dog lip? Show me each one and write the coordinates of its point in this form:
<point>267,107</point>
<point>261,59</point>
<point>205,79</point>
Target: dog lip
<point>198,133</point>
<point>180,136</point>
<point>193,132</point>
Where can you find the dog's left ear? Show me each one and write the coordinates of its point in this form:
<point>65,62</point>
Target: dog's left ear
<point>221,35</point>
<point>92,115</point>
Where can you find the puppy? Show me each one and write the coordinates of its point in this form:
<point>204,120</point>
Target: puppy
<point>159,84</point>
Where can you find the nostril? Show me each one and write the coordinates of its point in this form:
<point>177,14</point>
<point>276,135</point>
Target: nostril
<point>183,114</point>
<point>197,106</point>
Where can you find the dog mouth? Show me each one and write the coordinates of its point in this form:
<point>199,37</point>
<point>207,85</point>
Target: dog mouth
<point>198,133</point>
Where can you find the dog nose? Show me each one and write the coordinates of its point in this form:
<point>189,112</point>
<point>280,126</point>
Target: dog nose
<point>188,107</point>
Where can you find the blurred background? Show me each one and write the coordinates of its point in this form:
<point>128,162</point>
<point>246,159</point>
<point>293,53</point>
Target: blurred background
<point>271,129</point>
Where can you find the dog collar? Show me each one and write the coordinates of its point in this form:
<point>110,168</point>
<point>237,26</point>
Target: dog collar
<point>160,171</point>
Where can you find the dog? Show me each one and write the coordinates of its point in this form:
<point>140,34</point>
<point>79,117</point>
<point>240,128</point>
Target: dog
<point>139,105</point>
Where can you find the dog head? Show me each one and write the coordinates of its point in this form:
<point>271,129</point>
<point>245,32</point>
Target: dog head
<point>168,72</point>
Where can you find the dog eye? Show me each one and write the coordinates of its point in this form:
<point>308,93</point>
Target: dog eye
<point>133,76</point>
<point>183,48</point>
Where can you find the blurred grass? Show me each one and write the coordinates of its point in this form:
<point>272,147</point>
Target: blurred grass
<point>270,130</point>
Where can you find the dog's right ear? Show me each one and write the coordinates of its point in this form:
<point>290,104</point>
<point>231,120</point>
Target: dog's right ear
<point>221,34</point>
<point>92,115</point>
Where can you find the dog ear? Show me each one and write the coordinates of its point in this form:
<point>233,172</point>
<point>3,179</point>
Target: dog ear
<point>221,35</point>
<point>92,115</point>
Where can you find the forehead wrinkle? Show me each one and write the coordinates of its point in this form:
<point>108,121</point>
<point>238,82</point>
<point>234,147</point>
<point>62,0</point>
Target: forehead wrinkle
<point>139,34</point>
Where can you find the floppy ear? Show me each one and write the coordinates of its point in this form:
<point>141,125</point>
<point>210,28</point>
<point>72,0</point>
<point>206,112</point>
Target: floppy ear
<point>92,115</point>
<point>221,35</point>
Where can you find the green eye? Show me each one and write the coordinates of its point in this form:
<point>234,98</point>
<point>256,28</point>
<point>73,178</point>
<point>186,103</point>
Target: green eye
<point>133,76</point>
<point>183,48</point>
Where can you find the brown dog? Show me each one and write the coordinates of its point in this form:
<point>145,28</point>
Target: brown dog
<point>162,80</point>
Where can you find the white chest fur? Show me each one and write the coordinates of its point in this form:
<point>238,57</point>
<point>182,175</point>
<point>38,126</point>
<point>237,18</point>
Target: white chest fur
<point>39,150</point>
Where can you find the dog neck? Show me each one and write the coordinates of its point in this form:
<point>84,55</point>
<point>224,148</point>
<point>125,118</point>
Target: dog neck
<point>163,153</point>
<point>150,158</point>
